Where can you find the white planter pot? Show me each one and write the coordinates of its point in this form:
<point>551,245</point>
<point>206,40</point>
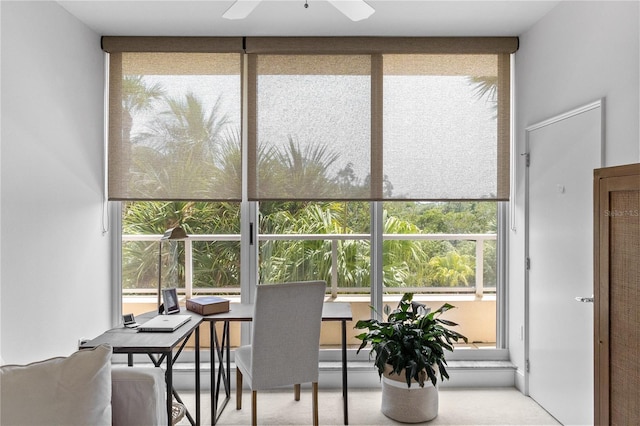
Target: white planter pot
<point>408,404</point>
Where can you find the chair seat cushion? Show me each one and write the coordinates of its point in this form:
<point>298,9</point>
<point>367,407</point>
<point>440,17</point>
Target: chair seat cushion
<point>75,390</point>
<point>243,363</point>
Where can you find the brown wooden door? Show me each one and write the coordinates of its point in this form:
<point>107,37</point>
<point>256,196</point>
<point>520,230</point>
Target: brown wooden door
<point>617,295</point>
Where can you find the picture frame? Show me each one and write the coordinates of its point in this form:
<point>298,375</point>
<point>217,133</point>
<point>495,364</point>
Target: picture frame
<point>170,301</point>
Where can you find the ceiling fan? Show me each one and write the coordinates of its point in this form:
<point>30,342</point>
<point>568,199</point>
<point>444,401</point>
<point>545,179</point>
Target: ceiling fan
<point>356,10</point>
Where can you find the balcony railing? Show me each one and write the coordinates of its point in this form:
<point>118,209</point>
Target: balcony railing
<point>479,288</point>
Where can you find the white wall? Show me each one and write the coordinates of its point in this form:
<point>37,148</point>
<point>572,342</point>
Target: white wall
<point>578,53</point>
<point>55,264</point>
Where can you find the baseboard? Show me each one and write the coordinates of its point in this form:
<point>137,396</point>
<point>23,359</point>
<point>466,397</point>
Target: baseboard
<point>364,375</point>
<point>520,382</point>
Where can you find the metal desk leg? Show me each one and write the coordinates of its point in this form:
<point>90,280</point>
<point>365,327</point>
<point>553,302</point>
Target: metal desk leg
<point>198,376</point>
<point>227,383</point>
<point>169,380</point>
<point>212,372</point>
<point>344,373</point>
<point>173,391</point>
<point>220,348</point>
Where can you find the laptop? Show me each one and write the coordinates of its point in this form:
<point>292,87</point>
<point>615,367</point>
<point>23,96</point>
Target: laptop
<point>165,323</point>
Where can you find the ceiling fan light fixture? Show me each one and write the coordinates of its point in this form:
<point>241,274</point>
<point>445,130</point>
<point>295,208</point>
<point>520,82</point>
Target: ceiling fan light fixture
<point>240,9</point>
<point>356,10</point>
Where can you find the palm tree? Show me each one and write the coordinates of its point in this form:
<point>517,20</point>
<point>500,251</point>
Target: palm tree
<point>137,97</point>
<point>486,87</point>
<point>184,132</point>
<point>452,269</point>
<point>176,158</point>
<point>228,162</point>
<point>299,169</point>
<point>294,260</point>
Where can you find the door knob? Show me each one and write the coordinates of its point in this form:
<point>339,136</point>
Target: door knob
<point>585,299</point>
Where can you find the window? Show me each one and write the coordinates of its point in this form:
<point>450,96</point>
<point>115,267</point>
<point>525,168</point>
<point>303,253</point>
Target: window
<point>445,252</point>
<point>316,241</point>
<point>376,164</point>
<point>208,262</point>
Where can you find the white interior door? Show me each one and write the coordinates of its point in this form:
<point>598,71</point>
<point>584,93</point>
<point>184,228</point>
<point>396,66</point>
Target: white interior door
<point>564,151</point>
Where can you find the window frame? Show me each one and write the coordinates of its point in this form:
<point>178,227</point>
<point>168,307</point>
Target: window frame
<point>249,210</point>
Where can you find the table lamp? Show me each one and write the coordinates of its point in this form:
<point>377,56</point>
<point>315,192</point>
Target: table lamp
<point>176,233</point>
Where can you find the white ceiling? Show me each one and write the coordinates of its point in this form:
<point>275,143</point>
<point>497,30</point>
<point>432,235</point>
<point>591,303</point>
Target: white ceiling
<point>291,18</point>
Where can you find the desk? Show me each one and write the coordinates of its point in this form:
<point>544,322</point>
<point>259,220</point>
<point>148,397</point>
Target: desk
<point>130,341</point>
<point>220,349</point>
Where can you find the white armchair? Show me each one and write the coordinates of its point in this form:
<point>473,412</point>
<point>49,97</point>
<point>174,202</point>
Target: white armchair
<point>82,389</point>
<point>285,341</point>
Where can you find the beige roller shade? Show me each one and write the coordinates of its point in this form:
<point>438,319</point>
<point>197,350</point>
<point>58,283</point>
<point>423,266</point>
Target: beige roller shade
<point>344,118</point>
<point>309,127</point>
<point>175,126</point>
<point>431,127</point>
<point>445,126</point>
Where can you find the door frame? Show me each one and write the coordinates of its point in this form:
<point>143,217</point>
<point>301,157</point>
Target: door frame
<point>600,103</point>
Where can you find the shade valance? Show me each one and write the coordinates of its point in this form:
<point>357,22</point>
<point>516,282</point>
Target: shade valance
<point>381,45</point>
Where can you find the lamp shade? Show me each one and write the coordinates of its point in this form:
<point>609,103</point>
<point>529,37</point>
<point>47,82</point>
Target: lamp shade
<point>176,233</point>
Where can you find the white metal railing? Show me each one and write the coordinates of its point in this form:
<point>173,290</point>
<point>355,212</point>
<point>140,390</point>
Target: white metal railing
<point>334,238</point>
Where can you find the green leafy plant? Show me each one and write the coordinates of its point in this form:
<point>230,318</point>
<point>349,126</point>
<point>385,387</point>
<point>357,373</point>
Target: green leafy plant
<point>412,339</point>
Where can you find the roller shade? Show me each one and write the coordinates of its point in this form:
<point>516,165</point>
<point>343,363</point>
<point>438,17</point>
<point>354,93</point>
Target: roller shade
<point>328,118</point>
<point>445,127</point>
<point>309,127</point>
<point>174,119</point>
<point>392,126</point>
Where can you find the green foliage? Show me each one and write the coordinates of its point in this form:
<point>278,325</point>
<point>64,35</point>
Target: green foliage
<point>311,259</point>
<point>452,269</point>
<point>412,339</point>
<point>448,218</point>
<point>216,264</point>
<point>406,263</point>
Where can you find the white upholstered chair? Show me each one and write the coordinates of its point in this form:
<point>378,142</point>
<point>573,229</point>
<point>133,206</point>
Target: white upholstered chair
<point>285,341</point>
<point>82,389</point>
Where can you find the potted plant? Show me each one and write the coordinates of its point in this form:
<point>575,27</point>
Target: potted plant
<point>409,350</point>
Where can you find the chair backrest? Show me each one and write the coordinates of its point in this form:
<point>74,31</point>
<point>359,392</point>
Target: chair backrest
<point>286,333</point>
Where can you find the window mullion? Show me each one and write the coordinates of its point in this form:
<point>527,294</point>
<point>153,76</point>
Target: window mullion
<point>501,281</point>
<point>376,185</point>
<point>377,229</point>
<point>248,213</point>
<point>115,224</point>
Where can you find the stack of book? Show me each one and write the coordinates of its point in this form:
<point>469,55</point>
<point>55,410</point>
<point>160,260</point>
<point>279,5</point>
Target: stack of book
<point>207,305</point>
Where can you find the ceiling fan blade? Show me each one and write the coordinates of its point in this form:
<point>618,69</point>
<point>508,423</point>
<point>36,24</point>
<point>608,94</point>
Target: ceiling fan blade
<point>356,10</point>
<point>241,9</point>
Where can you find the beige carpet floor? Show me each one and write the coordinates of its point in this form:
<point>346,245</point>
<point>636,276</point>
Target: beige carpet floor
<point>457,406</point>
